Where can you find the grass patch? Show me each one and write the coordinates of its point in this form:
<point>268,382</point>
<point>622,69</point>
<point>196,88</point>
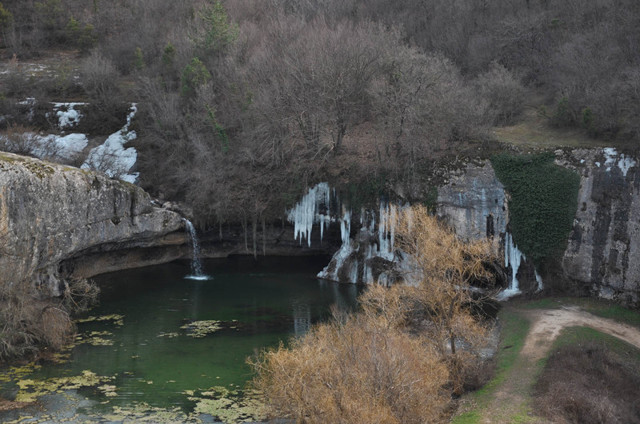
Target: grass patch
<point>590,377</point>
<point>534,131</point>
<point>514,331</point>
<point>580,336</point>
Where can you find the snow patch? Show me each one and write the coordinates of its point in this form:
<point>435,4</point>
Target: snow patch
<point>624,162</point>
<point>48,146</point>
<point>69,117</point>
<point>112,157</point>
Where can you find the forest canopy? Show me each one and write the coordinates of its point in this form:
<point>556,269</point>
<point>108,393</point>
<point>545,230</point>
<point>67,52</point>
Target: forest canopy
<point>245,102</point>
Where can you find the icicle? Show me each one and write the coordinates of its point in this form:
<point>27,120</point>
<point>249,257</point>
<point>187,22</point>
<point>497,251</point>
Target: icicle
<point>392,227</point>
<point>386,230</point>
<point>341,255</point>
<point>539,280</point>
<point>513,257</point>
<point>345,227</point>
<point>353,275</point>
<point>306,212</point>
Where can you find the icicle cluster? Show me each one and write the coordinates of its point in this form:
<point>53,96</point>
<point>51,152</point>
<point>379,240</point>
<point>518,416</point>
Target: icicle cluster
<point>624,163</point>
<point>383,247</point>
<point>513,257</point>
<point>387,230</point>
<point>341,255</point>
<point>307,212</point>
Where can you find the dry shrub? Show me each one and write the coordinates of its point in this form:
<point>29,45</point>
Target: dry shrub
<point>29,323</point>
<point>19,139</point>
<point>588,384</point>
<point>400,358</point>
<point>99,77</point>
<point>54,327</point>
<point>359,371</point>
<point>505,93</point>
<point>445,267</point>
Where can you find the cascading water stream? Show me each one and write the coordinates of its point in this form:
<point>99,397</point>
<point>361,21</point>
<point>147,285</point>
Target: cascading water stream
<point>196,265</point>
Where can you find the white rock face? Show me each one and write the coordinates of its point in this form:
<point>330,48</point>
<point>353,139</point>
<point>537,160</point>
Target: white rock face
<point>474,203</point>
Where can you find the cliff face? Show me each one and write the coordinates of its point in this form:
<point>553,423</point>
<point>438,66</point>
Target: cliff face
<point>52,213</point>
<point>473,201</point>
<point>603,251</point>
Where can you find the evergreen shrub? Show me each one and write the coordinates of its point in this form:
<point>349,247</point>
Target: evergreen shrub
<point>544,199</point>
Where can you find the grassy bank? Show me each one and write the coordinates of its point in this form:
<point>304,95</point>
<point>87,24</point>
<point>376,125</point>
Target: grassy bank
<point>514,329</point>
<point>587,362</point>
<point>589,377</point>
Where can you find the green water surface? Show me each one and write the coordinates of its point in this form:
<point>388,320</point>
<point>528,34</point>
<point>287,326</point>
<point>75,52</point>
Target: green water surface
<point>153,361</point>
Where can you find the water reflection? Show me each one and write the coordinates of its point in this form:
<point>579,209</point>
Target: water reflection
<point>301,318</point>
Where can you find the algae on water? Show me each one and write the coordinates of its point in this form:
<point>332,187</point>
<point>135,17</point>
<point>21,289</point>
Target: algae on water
<point>116,318</point>
<point>30,390</point>
<point>200,329</point>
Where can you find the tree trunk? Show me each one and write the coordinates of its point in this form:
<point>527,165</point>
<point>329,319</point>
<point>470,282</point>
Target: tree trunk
<point>264,237</point>
<point>254,225</point>
<point>244,228</point>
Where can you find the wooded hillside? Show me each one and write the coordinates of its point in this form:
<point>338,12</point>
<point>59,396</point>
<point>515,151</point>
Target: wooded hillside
<point>246,102</point>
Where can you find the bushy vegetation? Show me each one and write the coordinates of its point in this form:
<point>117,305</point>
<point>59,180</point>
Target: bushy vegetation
<point>403,355</point>
<point>353,371</point>
<point>544,198</point>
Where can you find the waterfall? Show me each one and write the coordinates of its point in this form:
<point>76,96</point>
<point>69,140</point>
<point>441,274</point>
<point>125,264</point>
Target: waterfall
<point>513,257</point>
<point>196,265</point>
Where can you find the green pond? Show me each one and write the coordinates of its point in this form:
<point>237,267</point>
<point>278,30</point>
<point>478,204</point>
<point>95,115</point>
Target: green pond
<point>161,344</point>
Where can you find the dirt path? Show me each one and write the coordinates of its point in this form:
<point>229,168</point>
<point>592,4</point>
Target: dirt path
<point>510,402</point>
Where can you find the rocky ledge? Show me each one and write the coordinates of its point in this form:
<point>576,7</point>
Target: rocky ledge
<point>51,215</point>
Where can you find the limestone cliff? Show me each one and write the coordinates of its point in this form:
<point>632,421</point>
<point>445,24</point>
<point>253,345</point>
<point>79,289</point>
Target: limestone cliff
<point>602,256</point>
<point>473,201</point>
<point>603,251</point>
<point>52,213</point>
